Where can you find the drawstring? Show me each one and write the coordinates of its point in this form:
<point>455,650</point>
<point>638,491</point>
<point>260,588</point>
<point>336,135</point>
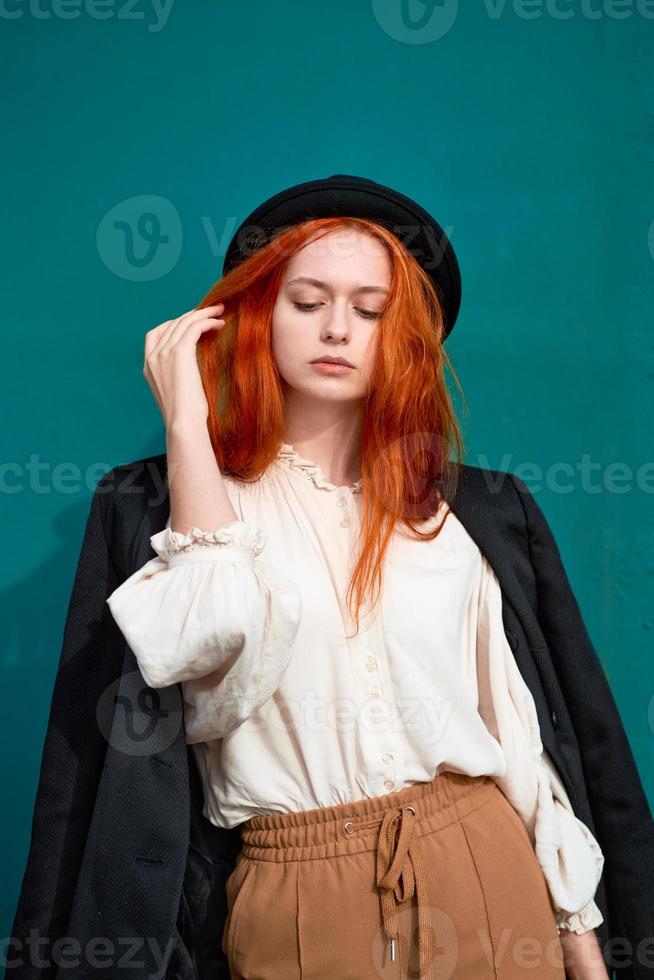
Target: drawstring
<point>401,874</point>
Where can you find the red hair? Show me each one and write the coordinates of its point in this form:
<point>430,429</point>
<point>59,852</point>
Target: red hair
<point>409,428</point>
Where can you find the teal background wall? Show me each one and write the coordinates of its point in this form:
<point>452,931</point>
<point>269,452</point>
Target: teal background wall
<point>527,130</point>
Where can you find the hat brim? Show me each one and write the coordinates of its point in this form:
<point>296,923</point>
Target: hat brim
<point>348,195</point>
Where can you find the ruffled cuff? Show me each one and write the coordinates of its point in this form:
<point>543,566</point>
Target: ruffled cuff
<point>237,535</point>
<point>571,859</point>
<point>207,612</point>
<point>585,920</point>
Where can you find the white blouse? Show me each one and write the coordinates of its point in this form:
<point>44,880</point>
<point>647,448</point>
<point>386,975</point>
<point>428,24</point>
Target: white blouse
<point>285,712</point>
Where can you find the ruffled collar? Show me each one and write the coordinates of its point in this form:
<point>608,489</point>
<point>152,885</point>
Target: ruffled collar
<point>289,456</point>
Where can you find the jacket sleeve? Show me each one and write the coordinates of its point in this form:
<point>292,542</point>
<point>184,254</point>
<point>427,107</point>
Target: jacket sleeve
<point>209,613</point>
<point>567,852</point>
<point>621,812</point>
<point>74,747</point>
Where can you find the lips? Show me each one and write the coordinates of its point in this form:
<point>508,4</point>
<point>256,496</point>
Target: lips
<point>332,360</point>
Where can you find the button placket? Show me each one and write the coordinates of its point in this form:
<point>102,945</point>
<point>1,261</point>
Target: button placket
<point>344,501</point>
<point>382,762</point>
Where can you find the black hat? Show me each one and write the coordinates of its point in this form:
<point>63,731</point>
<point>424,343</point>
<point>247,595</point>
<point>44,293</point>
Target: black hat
<point>349,196</point>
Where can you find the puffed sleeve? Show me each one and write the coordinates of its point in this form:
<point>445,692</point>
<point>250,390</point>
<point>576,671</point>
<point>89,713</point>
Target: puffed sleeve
<point>208,612</point>
<point>569,855</point>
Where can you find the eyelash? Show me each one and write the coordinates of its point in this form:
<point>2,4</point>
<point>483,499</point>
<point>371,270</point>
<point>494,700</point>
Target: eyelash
<point>311,307</point>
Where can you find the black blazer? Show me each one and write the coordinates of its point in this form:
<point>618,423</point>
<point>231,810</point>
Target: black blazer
<point>119,847</point>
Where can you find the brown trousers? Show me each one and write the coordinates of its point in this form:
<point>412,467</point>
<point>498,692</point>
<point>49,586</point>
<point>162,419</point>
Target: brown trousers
<point>436,880</point>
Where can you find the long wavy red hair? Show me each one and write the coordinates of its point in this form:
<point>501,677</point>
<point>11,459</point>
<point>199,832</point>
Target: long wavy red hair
<point>411,446</point>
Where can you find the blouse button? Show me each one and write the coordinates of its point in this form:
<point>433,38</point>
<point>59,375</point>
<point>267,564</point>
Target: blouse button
<point>389,784</point>
<point>387,757</point>
<point>340,502</point>
<point>371,664</point>
<point>345,522</point>
<point>375,692</point>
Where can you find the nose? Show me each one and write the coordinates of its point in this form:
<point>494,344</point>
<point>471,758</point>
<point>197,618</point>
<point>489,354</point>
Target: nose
<point>335,326</point>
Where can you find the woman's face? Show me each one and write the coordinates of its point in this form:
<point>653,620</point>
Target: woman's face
<point>329,303</point>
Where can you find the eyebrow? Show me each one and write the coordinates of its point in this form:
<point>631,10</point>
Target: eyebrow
<point>307,280</point>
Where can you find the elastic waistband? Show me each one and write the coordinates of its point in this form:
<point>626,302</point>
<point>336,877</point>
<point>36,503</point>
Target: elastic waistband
<point>332,830</point>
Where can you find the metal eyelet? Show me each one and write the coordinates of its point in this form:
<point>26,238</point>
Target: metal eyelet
<point>347,827</point>
<point>412,810</point>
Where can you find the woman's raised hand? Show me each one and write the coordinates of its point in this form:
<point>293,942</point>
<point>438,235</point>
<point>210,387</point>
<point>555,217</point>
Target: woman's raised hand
<point>171,365</point>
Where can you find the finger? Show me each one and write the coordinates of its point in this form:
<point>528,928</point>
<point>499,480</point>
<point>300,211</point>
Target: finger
<point>157,338</point>
<point>153,337</point>
<point>199,311</point>
<point>193,327</point>
<point>182,322</point>
<point>179,324</point>
<point>193,333</point>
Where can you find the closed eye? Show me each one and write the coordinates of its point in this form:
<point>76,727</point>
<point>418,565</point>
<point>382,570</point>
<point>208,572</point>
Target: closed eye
<point>310,307</point>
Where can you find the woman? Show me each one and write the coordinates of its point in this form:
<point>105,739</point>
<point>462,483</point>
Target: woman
<point>226,563</point>
<point>314,435</point>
